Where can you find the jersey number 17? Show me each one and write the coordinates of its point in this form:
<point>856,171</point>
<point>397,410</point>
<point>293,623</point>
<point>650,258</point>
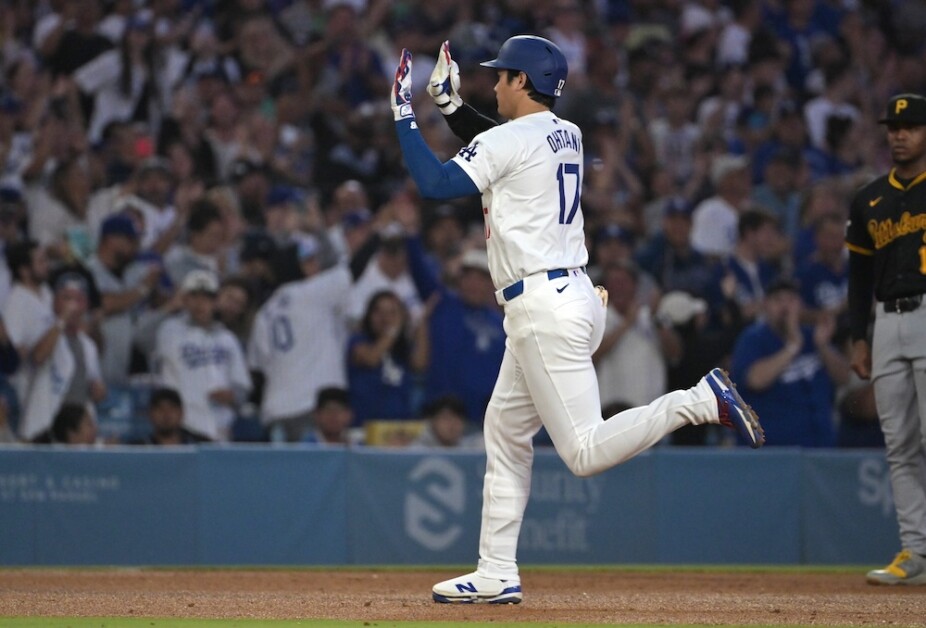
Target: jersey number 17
<point>570,188</point>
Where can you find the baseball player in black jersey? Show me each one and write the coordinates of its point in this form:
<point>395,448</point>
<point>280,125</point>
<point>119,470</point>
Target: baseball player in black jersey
<point>886,238</point>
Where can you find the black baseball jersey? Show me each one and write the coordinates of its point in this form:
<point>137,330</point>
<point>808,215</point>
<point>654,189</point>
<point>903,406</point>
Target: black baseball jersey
<point>887,221</point>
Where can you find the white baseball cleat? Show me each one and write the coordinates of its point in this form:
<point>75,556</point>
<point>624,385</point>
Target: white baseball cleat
<point>475,589</point>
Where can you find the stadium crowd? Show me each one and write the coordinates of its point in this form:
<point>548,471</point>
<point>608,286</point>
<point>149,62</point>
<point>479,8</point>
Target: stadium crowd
<point>204,200</point>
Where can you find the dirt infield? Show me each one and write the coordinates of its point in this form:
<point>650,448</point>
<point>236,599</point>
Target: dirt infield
<point>550,597</point>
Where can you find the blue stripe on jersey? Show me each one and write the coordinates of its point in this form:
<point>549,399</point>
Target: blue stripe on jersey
<point>434,179</point>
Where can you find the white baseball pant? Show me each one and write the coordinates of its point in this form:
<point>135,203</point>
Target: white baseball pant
<point>547,377</point>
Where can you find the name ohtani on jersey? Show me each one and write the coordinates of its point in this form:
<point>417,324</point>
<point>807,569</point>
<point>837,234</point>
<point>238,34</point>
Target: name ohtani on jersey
<point>561,138</point>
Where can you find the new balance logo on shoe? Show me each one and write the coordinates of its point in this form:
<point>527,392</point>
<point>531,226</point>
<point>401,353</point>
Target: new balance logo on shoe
<point>475,589</point>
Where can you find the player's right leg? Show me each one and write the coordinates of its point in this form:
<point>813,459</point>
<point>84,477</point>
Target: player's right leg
<point>895,400</point>
<point>510,424</point>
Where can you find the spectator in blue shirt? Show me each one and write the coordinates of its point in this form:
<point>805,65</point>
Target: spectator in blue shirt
<point>788,372</point>
<point>670,258</point>
<point>383,359</point>
<point>825,275</point>
<point>758,242</point>
<point>467,337</point>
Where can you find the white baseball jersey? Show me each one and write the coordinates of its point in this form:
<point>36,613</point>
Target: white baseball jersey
<point>529,171</point>
<point>27,317</point>
<point>196,361</point>
<point>299,342</point>
<point>713,227</point>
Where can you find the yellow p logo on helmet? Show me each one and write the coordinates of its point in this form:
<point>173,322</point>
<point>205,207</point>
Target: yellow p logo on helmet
<point>899,106</point>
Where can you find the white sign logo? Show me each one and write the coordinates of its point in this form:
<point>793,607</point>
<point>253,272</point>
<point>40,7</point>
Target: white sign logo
<point>874,480</point>
<point>433,507</point>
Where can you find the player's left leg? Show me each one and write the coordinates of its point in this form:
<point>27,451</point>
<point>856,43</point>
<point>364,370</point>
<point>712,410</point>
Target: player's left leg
<point>553,334</point>
<point>914,342</point>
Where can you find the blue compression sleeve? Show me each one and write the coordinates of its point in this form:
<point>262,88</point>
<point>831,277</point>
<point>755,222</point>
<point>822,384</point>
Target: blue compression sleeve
<point>434,179</point>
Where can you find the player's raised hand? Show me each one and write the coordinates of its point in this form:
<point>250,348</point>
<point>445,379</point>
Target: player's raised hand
<point>402,89</point>
<point>444,86</point>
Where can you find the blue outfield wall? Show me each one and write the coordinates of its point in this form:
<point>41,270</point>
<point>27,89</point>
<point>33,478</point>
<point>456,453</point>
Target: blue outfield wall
<point>302,505</point>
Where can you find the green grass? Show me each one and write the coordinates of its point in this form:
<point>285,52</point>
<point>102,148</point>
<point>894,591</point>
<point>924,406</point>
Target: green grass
<point>140,622</point>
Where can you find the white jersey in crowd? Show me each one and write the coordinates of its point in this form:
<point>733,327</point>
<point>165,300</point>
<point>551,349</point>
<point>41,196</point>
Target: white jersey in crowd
<point>49,383</point>
<point>196,361</point>
<point>535,160</point>
<point>634,370</point>
<point>298,341</point>
<point>374,280</point>
<point>27,316</point>
<point>714,227</point>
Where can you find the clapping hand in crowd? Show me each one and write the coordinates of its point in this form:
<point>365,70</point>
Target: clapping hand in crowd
<point>824,330</point>
<point>793,335</point>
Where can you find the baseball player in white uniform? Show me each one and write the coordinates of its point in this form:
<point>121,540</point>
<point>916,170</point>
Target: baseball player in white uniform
<point>529,173</point>
<point>298,342</point>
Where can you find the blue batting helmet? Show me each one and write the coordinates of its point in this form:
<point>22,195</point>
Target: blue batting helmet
<point>539,58</point>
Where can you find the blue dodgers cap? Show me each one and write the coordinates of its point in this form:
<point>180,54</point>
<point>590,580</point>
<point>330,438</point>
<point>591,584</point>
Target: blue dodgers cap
<point>356,218</point>
<point>282,195</point>
<point>140,21</point>
<point>11,105</point>
<point>677,206</point>
<point>119,224</point>
<point>10,193</point>
<point>614,231</point>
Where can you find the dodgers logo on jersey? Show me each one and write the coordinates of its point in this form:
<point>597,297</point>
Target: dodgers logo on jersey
<point>468,152</point>
<point>195,356</point>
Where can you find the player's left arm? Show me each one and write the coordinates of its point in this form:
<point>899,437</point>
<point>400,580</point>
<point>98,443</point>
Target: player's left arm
<point>434,179</point>
<point>444,88</point>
